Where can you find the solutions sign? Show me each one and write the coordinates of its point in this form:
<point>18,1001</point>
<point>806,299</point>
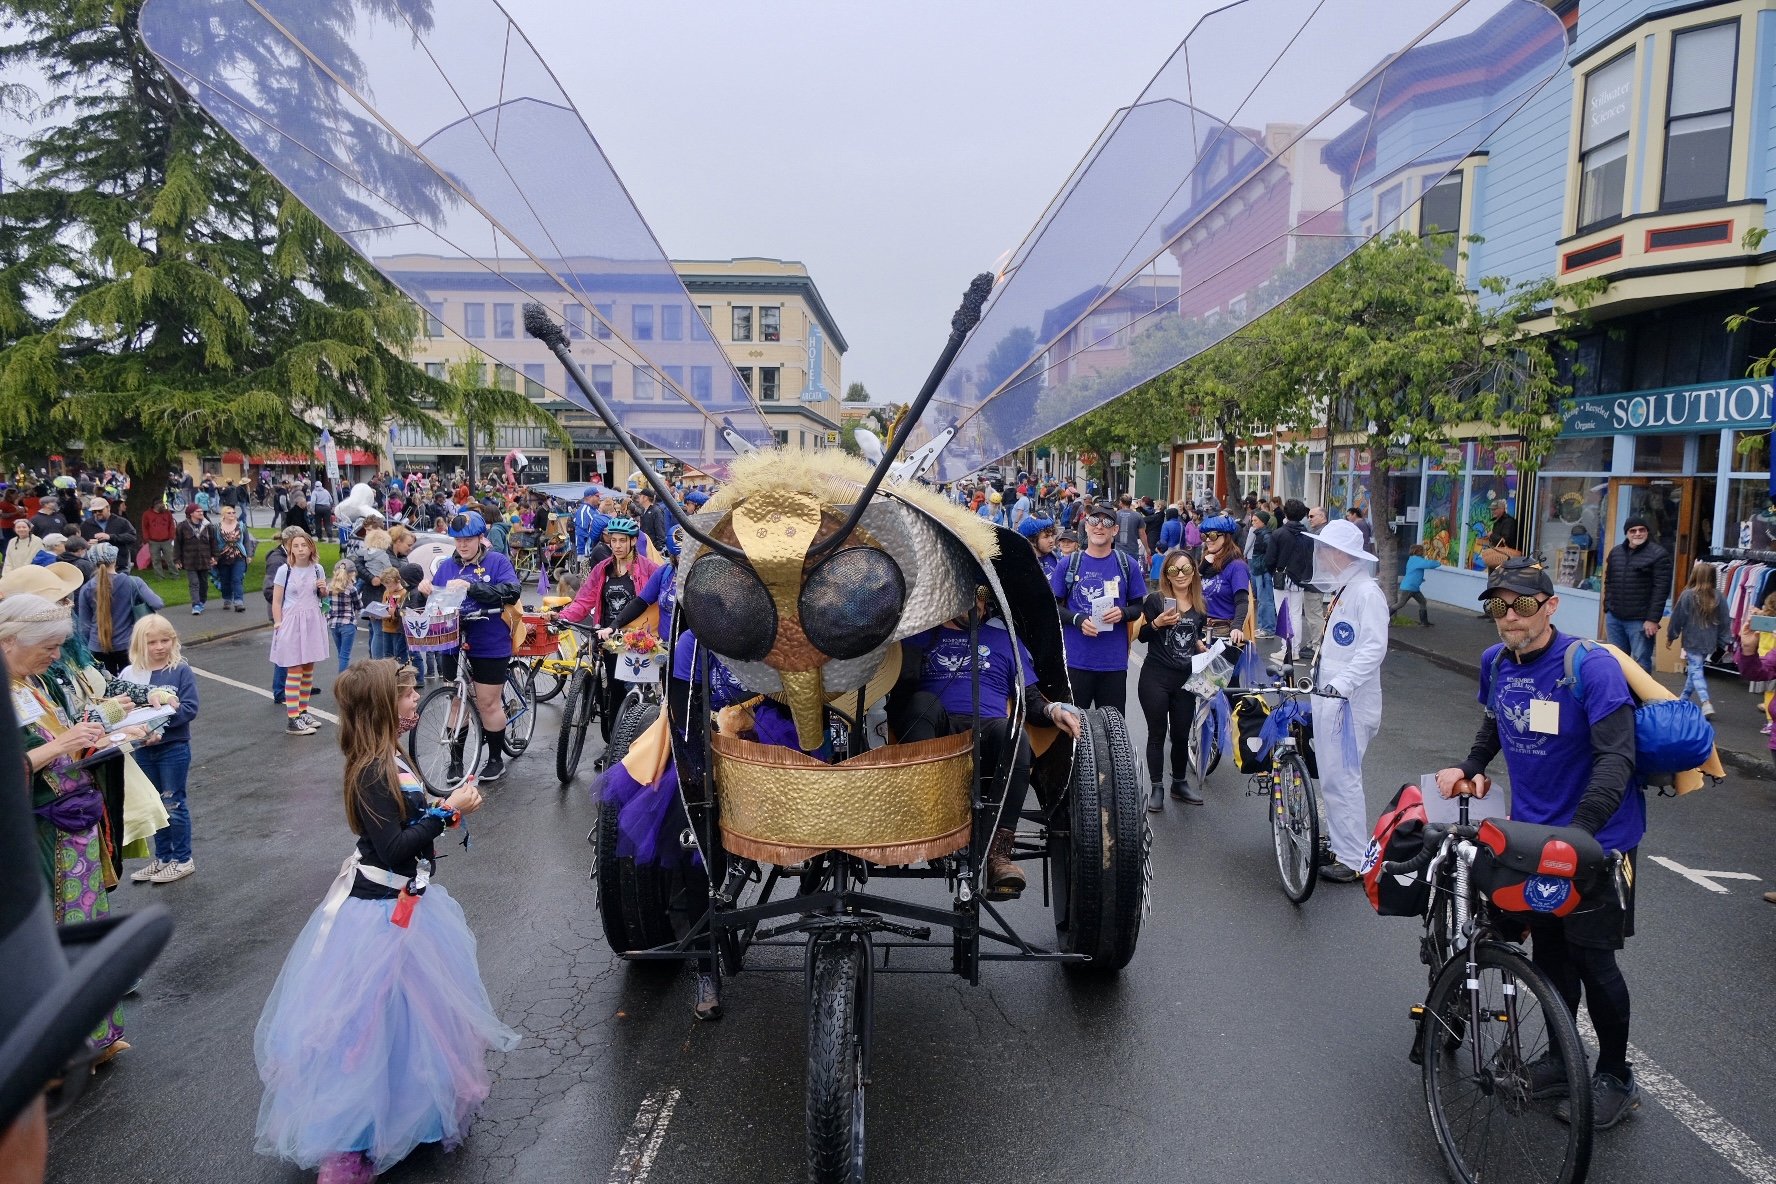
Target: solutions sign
<point>1742,404</point>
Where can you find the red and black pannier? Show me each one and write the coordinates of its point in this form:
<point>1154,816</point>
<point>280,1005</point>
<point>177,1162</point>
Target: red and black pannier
<point>1399,835</point>
<point>1528,867</point>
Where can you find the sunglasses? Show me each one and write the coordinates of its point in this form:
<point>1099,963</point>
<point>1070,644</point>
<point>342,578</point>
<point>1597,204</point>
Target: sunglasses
<point>1524,606</point>
<point>1183,569</point>
<point>1100,521</point>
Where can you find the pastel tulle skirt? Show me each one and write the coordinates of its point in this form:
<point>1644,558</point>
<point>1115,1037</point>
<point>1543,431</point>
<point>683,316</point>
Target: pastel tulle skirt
<point>375,1041</point>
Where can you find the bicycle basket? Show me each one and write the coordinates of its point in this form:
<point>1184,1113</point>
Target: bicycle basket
<point>1529,867</point>
<point>538,641</point>
<point>1251,751</point>
<point>436,628</point>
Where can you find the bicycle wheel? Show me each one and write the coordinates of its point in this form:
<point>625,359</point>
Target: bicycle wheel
<point>519,698</point>
<point>525,564</point>
<point>576,717</point>
<point>430,744</point>
<point>838,1017</point>
<point>1484,1048</point>
<point>547,680</point>
<point>1294,825</point>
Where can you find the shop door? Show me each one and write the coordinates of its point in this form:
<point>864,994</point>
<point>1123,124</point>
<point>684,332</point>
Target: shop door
<point>1673,515</point>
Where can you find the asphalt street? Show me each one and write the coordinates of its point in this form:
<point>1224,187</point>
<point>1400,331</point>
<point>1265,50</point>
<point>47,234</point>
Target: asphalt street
<point>1249,1040</point>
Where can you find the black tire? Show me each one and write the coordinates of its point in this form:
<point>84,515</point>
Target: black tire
<point>549,683</point>
<point>1100,866</point>
<point>837,1017</point>
<point>519,698</point>
<point>1487,1124</point>
<point>428,744</point>
<point>576,720</point>
<point>634,902</point>
<point>1295,826</point>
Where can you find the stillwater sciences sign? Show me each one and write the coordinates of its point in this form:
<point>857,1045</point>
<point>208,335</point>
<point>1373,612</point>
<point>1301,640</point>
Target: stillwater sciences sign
<point>1744,403</point>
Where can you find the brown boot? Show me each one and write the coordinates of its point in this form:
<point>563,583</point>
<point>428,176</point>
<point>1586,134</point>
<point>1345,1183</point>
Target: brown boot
<point>1005,879</point>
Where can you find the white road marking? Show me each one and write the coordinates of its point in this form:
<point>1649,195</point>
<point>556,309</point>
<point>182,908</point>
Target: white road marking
<point>1703,1120</point>
<point>635,1159</point>
<point>260,691</point>
<point>1697,876</point>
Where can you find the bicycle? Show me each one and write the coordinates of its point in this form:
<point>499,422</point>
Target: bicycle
<point>1496,1042</point>
<point>586,688</point>
<point>554,671</point>
<point>449,725</point>
<point>1288,784</point>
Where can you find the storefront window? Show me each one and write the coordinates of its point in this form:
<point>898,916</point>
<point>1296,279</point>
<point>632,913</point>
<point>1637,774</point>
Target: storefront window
<point>1569,519</point>
<point>1582,454</point>
<point>1350,480</point>
<point>1493,477</point>
<point>1441,540</point>
<point>1659,454</point>
<point>1749,521</point>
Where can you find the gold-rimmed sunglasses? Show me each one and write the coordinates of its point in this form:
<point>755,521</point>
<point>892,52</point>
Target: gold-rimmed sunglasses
<point>1180,569</point>
<point>1524,606</point>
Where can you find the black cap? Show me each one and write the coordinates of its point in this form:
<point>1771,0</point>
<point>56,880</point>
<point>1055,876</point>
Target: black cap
<point>1522,576</point>
<point>1634,520</point>
<point>1102,510</point>
<point>1068,536</point>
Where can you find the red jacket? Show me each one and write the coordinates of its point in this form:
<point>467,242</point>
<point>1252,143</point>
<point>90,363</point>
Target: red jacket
<point>590,600</point>
<point>157,525</point>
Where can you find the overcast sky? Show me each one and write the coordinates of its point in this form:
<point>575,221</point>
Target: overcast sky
<point>896,147</point>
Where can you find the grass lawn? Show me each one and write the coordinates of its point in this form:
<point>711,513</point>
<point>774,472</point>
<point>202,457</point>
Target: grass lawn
<point>178,589</point>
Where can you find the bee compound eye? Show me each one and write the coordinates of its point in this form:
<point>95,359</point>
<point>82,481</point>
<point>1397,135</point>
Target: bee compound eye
<point>729,608</point>
<point>852,601</point>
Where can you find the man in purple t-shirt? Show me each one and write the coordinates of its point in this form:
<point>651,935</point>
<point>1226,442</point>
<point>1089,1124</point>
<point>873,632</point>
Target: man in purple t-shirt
<point>1096,587</point>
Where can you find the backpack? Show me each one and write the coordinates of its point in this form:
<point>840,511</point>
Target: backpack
<point>1399,835</point>
<point>273,561</point>
<point>1670,735</point>
<point>1251,752</point>
<point>1072,576</point>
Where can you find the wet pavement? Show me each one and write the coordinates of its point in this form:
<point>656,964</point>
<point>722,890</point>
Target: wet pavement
<point>1249,1039</point>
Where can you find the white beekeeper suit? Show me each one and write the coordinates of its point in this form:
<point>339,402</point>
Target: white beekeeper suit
<point>1348,662</point>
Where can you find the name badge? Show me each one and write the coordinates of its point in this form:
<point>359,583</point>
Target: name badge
<point>26,707</point>
<point>1544,717</point>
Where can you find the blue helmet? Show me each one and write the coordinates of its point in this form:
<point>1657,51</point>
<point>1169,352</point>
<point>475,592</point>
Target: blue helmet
<point>1032,526</point>
<point>626,526</point>
<point>467,525</point>
<point>1220,524</point>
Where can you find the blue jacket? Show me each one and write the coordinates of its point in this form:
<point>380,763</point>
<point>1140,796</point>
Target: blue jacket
<point>1414,577</point>
<point>183,684</point>
<point>126,591</point>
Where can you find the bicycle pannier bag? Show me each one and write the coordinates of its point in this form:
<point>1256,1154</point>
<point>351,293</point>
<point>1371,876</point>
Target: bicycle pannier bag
<point>1399,835</point>
<point>1251,754</point>
<point>1529,867</point>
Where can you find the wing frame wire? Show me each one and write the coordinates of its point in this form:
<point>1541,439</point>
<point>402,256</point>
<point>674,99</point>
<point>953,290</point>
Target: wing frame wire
<point>497,223</point>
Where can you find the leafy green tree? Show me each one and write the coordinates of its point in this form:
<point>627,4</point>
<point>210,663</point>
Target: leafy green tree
<point>159,291</point>
<point>856,393</point>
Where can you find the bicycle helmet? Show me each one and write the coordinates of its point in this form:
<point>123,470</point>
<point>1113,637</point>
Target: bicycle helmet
<point>1033,526</point>
<point>1220,524</point>
<point>467,525</point>
<point>626,526</point>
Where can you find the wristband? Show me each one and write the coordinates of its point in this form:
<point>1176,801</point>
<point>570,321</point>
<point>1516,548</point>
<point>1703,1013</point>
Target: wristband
<point>445,815</point>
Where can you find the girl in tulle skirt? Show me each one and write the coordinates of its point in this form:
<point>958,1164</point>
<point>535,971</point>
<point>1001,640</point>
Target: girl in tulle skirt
<point>376,1034</point>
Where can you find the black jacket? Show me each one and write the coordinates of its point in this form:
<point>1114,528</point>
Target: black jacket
<point>1292,553</point>
<point>1637,581</point>
<point>1260,558</point>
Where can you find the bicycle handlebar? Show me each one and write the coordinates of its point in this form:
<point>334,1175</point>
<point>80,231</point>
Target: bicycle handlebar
<point>1436,835</point>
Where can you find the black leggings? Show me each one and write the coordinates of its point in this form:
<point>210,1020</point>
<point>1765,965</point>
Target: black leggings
<point>921,716</point>
<point>1164,701</point>
<point>1572,967</point>
<point>1099,688</point>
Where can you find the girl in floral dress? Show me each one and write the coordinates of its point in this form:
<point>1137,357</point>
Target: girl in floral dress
<point>300,639</point>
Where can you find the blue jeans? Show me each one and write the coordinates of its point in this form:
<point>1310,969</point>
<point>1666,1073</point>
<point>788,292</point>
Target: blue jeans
<point>1630,637</point>
<point>343,636</point>
<point>232,578</point>
<point>167,766</point>
<point>1694,679</point>
<point>277,685</point>
<point>1262,588</point>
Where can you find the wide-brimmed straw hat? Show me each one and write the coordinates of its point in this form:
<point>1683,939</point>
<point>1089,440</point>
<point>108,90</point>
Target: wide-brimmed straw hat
<point>52,581</point>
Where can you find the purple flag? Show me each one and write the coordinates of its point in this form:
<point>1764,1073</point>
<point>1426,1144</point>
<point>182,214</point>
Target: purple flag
<point>1285,623</point>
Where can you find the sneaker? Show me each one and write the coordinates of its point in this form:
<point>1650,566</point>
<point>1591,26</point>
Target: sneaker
<point>453,773</point>
<point>309,722</point>
<point>1338,873</point>
<point>1547,1076</point>
<point>147,873</point>
<point>1770,898</point>
<point>1707,709</point>
<point>493,770</point>
<point>1612,1101</point>
<point>1765,730</point>
<point>298,728</point>
<point>197,610</point>
<point>174,871</point>
<point>240,606</point>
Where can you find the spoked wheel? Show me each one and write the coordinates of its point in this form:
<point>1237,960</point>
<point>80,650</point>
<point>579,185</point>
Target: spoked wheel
<point>519,698</point>
<point>1100,864</point>
<point>526,565</point>
<point>576,720</point>
<point>434,739</point>
<point>1497,1059</point>
<point>1295,826</point>
<point>838,1057</point>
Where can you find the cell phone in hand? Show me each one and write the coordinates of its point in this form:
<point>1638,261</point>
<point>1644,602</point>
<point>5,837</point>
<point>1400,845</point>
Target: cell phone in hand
<point>1171,603</point>
<point>1760,623</point>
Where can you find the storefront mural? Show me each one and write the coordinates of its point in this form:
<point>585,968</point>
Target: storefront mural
<point>1487,487</point>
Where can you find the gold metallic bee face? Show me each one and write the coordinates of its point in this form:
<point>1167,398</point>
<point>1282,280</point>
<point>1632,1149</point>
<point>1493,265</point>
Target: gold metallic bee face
<point>780,610</point>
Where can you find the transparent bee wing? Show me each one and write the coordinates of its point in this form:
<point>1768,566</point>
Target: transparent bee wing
<point>435,141</point>
<point>1279,137</point>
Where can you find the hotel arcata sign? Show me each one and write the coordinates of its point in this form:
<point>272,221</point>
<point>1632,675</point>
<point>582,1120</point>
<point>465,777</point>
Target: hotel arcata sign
<point>1744,403</point>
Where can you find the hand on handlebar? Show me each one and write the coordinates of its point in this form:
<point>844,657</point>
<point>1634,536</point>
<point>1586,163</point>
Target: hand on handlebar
<point>1454,783</point>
